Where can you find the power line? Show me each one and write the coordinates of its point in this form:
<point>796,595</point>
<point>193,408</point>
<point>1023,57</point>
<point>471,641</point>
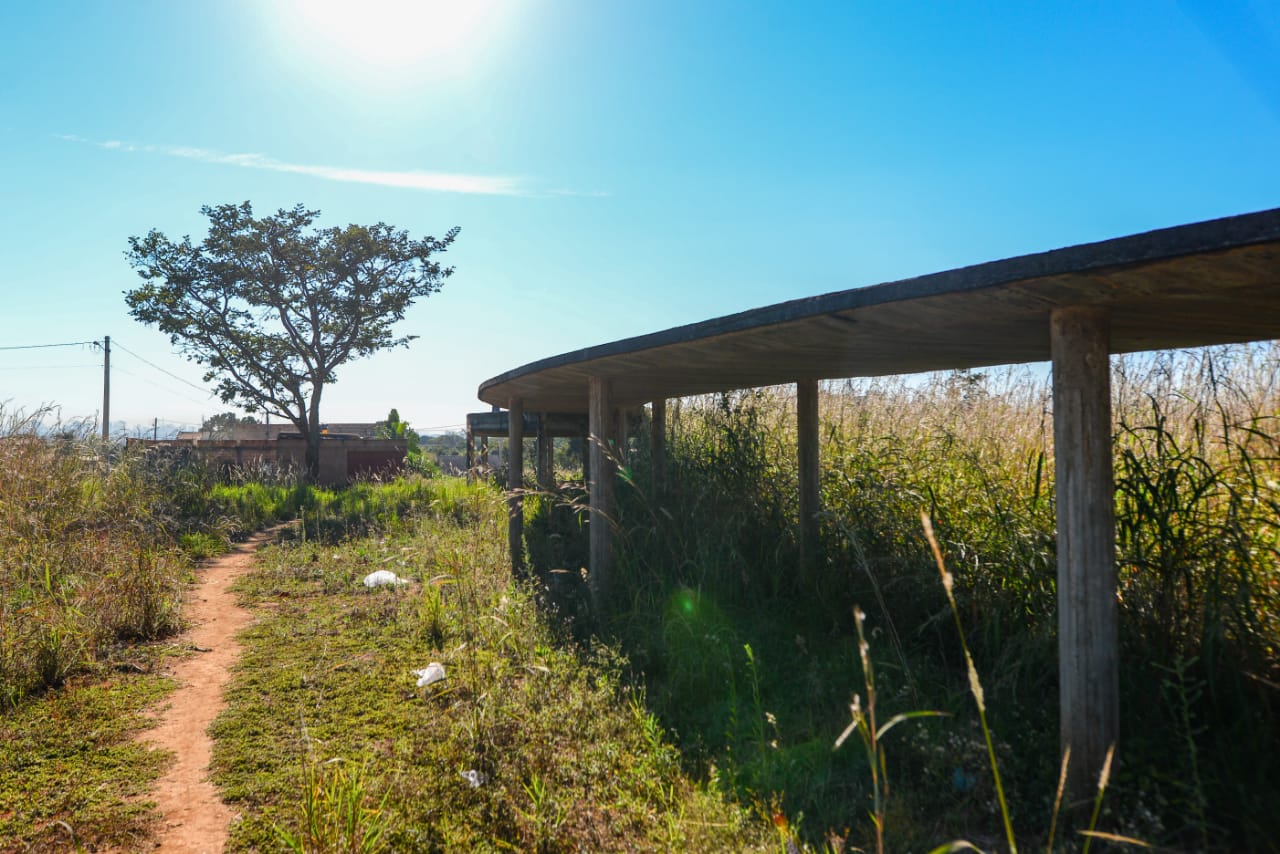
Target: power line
<point>47,346</point>
<point>163,371</point>
<point>162,388</point>
<point>47,367</point>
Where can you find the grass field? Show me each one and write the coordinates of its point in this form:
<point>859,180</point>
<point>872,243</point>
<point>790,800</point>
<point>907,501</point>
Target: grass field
<point>701,710</point>
<point>752,657</point>
<point>529,743</point>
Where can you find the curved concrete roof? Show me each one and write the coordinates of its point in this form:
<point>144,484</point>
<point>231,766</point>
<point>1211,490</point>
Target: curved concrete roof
<point>1209,282</point>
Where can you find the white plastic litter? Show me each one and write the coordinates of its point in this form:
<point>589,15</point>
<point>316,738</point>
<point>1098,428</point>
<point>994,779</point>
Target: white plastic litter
<point>432,673</point>
<point>475,778</point>
<point>382,578</point>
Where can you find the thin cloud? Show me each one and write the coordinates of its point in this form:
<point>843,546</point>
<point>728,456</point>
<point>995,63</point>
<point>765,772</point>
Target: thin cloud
<point>437,182</point>
<point>587,194</point>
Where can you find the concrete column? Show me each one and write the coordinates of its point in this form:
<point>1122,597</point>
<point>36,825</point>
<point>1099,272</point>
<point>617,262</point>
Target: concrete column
<point>471,454</point>
<point>1088,620</point>
<point>515,484</point>
<point>546,456</point>
<point>658,445</point>
<point>807,453</point>
<point>621,445</point>
<point>602,423</point>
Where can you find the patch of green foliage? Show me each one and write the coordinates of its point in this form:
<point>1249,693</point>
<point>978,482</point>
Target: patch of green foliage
<point>86,558</point>
<point>72,777</point>
<point>708,564</point>
<point>532,742</point>
<point>199,545</point>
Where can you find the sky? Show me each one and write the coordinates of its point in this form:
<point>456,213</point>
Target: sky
<point>616,168</point>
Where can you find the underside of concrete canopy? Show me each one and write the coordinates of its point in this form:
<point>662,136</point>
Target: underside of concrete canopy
<point>1212,282</point>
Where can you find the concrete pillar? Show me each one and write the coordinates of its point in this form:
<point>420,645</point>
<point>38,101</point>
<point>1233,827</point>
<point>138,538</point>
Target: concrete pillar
<point>1088,620</point>
<point>515,484</point>
<point>602,423</point>
<point>807,453</point>
<point>621,435</point>
<point>546,456</point>
<point>658,445</point>
<point>471,454</point>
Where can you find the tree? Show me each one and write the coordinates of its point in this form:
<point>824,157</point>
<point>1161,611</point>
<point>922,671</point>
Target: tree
<point>225,422</point>
<point>394,428</point>
<point>272,307</point>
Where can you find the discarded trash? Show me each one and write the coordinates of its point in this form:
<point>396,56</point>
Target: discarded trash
<point>433,672</point>
<point>382,578</point>
<point>475,778</point>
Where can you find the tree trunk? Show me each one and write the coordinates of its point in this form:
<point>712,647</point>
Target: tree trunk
<point>313,453</point>
<point>313,435</point>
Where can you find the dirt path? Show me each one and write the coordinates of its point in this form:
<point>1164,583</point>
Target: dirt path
<point>194,818</point>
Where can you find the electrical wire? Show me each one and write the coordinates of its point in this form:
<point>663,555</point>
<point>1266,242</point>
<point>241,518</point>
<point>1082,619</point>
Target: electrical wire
<point>47,367</point>
<point>117,367</point>
<point>157,385</point>
<point>47,346</point>
<point>163,371</point>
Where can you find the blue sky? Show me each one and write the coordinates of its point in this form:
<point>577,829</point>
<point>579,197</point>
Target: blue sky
<point>616,167</point>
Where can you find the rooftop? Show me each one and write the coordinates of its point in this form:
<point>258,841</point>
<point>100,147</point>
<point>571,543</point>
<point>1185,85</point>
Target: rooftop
<point>1212,282</point>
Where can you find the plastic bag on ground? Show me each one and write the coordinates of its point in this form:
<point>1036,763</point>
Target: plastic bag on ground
<point>383,578</point>
<point>432,673</point>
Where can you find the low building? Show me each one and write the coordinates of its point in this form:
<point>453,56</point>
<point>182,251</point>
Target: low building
<point>344,457</point>
<point>271,432</point>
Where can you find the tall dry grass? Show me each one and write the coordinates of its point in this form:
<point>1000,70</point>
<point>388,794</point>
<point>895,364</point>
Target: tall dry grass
<point>84,560</point>
<point>714,564</point>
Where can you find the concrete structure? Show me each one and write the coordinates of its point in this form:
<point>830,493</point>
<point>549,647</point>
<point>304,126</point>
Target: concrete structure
<point>271,432</point>
<point>342,458</point>
<point>1212,282</point>
<point>456,465</point>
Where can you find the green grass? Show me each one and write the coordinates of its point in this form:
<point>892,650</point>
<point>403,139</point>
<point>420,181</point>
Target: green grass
<point>71,773</point>
<point>93,561</point>
<point>324,704</point>
<point>714,567</point>
<point>709,694</point>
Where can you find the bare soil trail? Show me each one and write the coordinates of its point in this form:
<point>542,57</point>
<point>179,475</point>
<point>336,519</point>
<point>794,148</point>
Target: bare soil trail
<point>194,818</point>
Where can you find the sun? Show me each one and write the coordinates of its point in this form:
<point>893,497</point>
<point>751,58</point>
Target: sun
<point>395,34</point>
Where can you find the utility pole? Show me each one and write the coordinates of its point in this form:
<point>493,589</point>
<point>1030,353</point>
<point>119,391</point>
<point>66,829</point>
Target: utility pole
<point>106,389</point>
<point>155,429</point>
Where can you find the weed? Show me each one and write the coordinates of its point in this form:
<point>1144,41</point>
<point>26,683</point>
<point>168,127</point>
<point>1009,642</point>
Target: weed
<point>1198,555</point>
<point>84,556</point>
<point>863,721</point>
<point>336,812</point>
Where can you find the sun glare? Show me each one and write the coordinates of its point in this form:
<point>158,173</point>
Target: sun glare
<point>395,34</point>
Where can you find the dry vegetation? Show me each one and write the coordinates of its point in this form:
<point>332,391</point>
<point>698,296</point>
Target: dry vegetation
<point>702,708</point>
<point>713,567</point>
<point>86,559</point>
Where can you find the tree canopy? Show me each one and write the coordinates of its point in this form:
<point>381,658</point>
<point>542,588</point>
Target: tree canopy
<point>272,307</point>
<point>225,422</point>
